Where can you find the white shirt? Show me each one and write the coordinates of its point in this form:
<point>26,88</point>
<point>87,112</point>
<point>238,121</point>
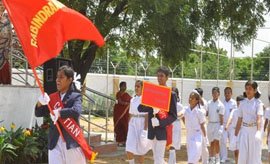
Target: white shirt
<point>234,117</point>
<point>62,95</point>
<point>250,109</point>
<point>215,108</point>
<point>193,118</point>
<point>229,106</point>
<point>267,113</point>
<point>179,107</point>
<point>204,106</point>
<point>134,103</point>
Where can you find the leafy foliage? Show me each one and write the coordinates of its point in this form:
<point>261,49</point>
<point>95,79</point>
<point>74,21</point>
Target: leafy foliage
<point>167,29</point>
<point>24,145</point>
<point>7,151</point>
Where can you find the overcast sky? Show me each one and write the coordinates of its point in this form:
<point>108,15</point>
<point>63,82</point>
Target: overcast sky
<point>262,34</point>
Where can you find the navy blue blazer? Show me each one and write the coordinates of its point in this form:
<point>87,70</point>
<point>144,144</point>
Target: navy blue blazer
<point>160,131</point>
<point>72,103</point>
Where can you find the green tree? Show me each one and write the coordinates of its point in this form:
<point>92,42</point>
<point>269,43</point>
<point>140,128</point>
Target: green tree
<point>261,65</point>
<point>168,28</point>
<point>242,68</point>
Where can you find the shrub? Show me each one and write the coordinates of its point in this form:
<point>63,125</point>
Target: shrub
<point>24,145</point>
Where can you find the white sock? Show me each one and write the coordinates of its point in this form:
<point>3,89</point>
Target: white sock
<point>217,159</point>
<point>172,157</point>
<point>212,158</point>
<point>131,161</point>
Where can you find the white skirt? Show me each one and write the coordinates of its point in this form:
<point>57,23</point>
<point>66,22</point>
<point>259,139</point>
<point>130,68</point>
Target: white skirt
<point>176,135</point>
<point>194,147</point>
<point>137,142</point>
<point>249,147</point>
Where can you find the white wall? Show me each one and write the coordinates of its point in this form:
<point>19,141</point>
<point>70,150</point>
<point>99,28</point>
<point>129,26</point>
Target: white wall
<point>99,82</point>
<point>17,105</point>
<point>17,102</point>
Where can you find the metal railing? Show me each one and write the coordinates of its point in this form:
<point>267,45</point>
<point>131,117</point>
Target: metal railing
<point>99,105</point>
<point>20,69</point>
<point>94,103</point>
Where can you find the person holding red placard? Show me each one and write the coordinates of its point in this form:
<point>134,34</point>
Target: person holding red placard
<point>66,112</point>
<point>159,120</point>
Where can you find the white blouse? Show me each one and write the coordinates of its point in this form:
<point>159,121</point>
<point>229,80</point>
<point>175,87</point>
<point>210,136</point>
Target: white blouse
<point>250,109</point>
<point>134,103</point>
<point>194,118</point>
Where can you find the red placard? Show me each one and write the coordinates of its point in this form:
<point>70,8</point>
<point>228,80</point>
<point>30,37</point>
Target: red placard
<point>156,96</point>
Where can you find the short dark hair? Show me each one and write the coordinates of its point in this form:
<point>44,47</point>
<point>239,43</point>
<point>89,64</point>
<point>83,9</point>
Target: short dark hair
<point>122,83</point>
<point>164,70</point>
<point>140,82</point>
<point>228,88</point>
<point>215,89</point>
<point>68,71</point>
<point>240,98</point>
<point>200,91</point>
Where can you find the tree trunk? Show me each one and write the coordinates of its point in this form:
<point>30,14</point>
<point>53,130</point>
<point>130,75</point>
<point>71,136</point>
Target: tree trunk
<point>82,63</point>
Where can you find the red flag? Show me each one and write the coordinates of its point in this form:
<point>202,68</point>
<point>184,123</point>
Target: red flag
<point>43,26</point>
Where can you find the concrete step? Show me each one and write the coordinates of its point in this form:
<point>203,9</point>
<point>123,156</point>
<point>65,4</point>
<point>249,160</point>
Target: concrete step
<point>104,148</point>
<point>94,138</point>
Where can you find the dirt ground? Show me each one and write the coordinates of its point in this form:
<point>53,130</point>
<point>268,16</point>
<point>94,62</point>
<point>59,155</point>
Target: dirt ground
<point>119,157</point>
<point>181,158</point>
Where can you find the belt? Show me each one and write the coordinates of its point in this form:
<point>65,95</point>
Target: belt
<point>249,124</point>
<point>138,115</point>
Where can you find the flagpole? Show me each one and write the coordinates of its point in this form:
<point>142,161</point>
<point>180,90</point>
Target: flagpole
<point>50,109</point>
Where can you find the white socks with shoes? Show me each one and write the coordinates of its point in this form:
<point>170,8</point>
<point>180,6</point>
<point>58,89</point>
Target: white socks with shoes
<point>132,161</point>
<point>172,157</point>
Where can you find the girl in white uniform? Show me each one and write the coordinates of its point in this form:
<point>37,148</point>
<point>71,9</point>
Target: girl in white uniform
<point>230,127</point>
<point>215,111</point>
<point>203,105</point>
<point>176,132</point>
<point>137,142</point>
<point>250,116</point>
<point>194,121</point>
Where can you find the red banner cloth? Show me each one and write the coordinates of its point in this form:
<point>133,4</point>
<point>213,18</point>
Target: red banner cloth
<point>71,126</point>
<point>43,26</point>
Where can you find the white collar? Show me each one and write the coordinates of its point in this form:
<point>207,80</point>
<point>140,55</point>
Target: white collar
<point>62,95</point>
<point>195,108</point>
<point>250,100</point>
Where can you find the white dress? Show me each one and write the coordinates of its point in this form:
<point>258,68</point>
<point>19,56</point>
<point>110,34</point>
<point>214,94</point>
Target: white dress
<point>135,143</point>
<point>249,147</point>
<point>193,120</point>
<point>176,132</point>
